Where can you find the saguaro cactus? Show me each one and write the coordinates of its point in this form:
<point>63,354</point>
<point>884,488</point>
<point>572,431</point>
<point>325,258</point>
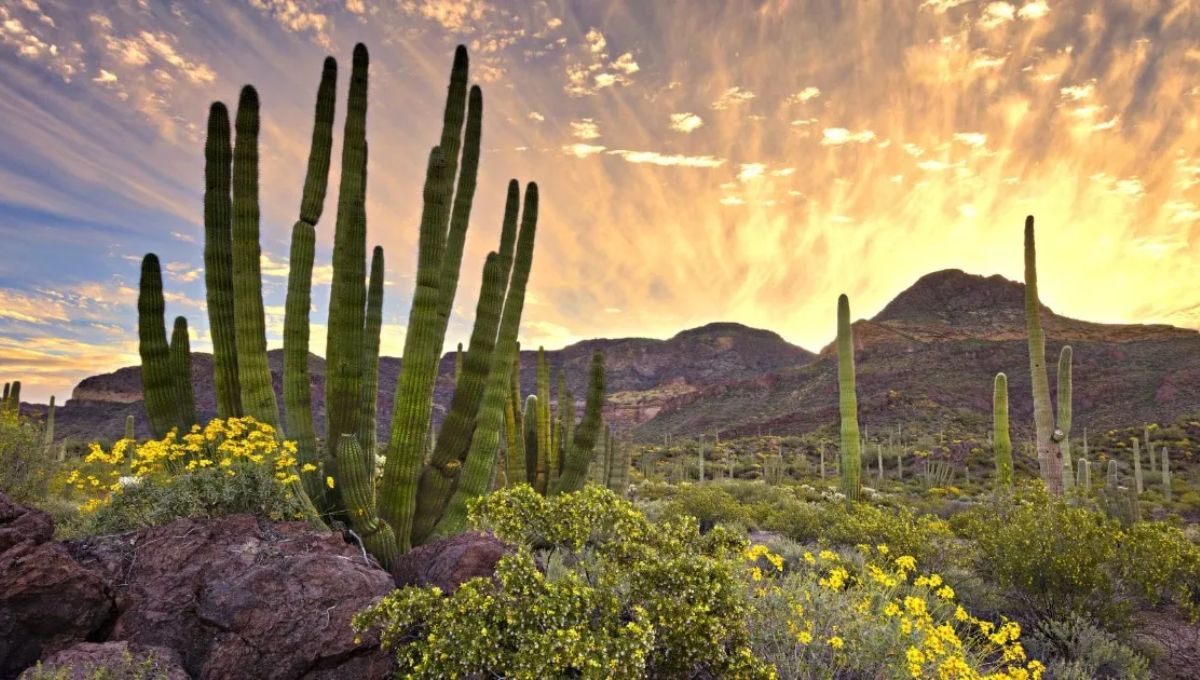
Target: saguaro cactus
<point>1137,466</point>
<point>1063,388</point>
<point>545,455</point>
<point>1001,443</point>
<point>1048,437</point>
<point>847,403</point>
<point>1166,474</point>
<point>48,432</point>
<point>1083,476</point>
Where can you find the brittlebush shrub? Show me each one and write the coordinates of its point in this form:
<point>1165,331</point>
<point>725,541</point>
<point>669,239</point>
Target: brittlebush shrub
<point>1056,559</point>
<point>25,465</point>
<point>227,467</point>
<point>619,598</point>
<point>127,667</point>
<point>872,614</point>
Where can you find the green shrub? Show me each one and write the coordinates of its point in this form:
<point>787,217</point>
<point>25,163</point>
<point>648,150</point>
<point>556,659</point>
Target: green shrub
<point>26,468</point>
<point>127,668</point>
<point>621,598</point>
<point>709,504</point>
<point>1076,648</point>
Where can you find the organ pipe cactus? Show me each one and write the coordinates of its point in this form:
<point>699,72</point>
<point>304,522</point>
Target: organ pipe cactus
<point>48,432</point>
<point>583,443</point>
<point>254,374</point>
<point>4,401</point>
<point>357,478</point>
<point>1047,436</point>
<point>530,435</point>
<point>218,261</point>
<point>345,364</point>
<point>181,369</point>
<point>372,335</point>
<point>514,426</point>
<point>847,404</point>
<point>438,259</point>
<point>1001,442</point>
<point>162,370</point>
<point>545,455</point>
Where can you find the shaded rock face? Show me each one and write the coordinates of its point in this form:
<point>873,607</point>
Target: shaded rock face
<point>451,561</point>
<point>80,661</point>
<point>47,600</point>
<point>240,597</point>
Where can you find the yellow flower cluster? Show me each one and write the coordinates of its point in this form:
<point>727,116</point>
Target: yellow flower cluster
<point>221,444</point>
<point>932,636</point>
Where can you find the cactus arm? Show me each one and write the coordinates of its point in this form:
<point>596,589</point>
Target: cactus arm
<point>541,481</point>
<point>530,435</point>
<point>218,261</point>
<point>372,334</point>
<point>481,458</point>
<point>182,395</point>
<point>847,403</point>
<point>1064,410</point>
<point>358,491</point>
<point>48,432</point>
<point>254,374</point>
<point>297,390</point>
<point>1002,443</point>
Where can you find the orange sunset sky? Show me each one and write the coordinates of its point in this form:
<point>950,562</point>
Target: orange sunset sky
<point>698,161</point>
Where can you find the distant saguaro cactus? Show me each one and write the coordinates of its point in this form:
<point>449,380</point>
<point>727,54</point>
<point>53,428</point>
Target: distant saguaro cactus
<point>1001,443</point>
<point>851,467</point>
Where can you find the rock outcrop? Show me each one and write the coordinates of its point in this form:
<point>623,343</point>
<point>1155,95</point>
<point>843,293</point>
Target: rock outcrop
<point>451,561</point>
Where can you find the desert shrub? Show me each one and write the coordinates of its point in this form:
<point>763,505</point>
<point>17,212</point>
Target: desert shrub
<point>709,504</point>
<point>1076,648</point>
<point>127,668</point>
<point>26,467</point>
<point>871,615</point>
<point>227,467</point>
<point>1058,559</point>
<point>620,598</point>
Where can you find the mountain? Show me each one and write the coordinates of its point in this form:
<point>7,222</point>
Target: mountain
<point>643,374</point>
<point>925,362</point>
<point>928,359</point>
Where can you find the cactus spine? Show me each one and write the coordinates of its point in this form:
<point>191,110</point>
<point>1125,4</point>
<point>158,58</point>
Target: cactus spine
<point>1001,442</point>
<point>575,468</point>
<point>218,261</point>
<point>1048,437</point>
<point>847,403</point>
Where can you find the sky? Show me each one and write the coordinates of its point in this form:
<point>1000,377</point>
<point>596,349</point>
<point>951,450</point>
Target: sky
<point>698,160</point>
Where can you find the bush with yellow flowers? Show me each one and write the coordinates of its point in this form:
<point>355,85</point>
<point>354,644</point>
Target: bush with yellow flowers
<point>594,590</point>
<point>873,614</point>
<point>228,466</point>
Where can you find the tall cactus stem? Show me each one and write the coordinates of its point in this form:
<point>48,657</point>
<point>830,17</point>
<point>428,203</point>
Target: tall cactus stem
<point>851,466</point>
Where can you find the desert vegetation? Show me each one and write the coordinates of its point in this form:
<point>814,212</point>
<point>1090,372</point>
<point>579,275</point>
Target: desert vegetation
<point>1012,549</point>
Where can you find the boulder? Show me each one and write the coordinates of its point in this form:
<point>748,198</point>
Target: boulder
<point>47,601</point>
<point>451,561</point>
<point>122,660</point>
<point>242,597</point>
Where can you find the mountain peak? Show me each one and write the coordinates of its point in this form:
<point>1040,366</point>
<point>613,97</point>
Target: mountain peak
<point>954,297</point>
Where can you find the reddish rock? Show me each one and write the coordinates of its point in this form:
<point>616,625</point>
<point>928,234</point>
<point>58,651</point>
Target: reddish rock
<point>47,602</point>
<point>239,597</point>
<point>81,661</point>
<point>19,524</point>
<point>451,561</point>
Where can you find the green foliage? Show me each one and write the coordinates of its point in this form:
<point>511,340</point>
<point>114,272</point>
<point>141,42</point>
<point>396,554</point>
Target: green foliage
<point>127,668</point>
<point>201,492</point>
<point>1076,649</point>
<point>620,598</point>
<point>26,468</point>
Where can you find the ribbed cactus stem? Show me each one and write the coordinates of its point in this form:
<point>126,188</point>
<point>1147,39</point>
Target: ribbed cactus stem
<point>1064,411</point>
<point>700,459</point>
<point>129,429</point>
<point>1083,476</point>
<point>182,395</point>
<point>556,434</point>
<point>458,364</point>
<point>358,492</point>
<point>48,431</point>
<point>575,468</point>
<point>4,401</point>
<point>1001,442</point>
<point>157,373</point>
<point>530,434</point>
<point>297,391</point>
<point>541,482</point>
<point>847,404</point>
<point>218,261</point>
<point>372,337</point>
<point>344,344</point>
<point>254,374</point>
<point>1166,474</point>
<point>1137,466</point>
<point>1048,438</point>
<point>481,458</point>
<point>1111,482</point>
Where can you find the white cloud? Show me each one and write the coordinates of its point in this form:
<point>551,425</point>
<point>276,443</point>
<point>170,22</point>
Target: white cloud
<point>802,96</point>
<point>996,14</point>
<point>582,150</point>
<point>751,171</point>
<point>838,136</point>
<point>733,96</point>
<point>596,41</point>
<point>585,128</point>
<point>975,139</point>
<point>1076,92</point>
<point>656,158</point>
<point>536,117</point>
<point>685,122</point>
<point>1033,10</point>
